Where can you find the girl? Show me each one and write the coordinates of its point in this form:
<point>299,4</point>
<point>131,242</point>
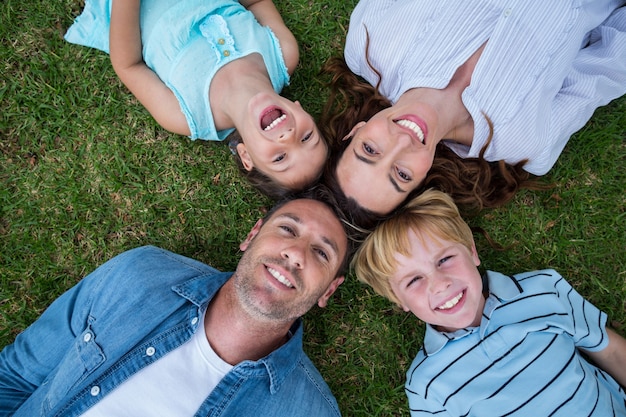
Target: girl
<point>205,68</point>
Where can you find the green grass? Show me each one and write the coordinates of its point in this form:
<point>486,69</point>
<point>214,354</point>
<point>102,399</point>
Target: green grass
<point>86,174</point>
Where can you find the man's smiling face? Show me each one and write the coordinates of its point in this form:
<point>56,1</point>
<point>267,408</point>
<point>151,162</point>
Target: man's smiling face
<point>291,261</point>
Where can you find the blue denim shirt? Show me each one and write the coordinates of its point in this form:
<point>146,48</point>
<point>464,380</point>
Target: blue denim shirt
<point>127,314</point>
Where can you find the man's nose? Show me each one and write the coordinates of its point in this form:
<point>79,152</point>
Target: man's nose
<point>295,255</point>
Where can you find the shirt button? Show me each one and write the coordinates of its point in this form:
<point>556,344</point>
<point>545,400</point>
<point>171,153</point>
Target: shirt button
<point>150,351</point>
<point>87,337</point>
<point>226,53</point>
<point>507,12</point>
<point>95,390</point>
<point>194,321</point>
<point>221,41</point>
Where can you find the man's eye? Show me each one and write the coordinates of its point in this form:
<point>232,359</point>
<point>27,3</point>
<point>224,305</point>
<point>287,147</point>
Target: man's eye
<point>322,254</point>
<point>288,229</point>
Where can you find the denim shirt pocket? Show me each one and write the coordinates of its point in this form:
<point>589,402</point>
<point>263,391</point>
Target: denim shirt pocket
<point>84,356</point>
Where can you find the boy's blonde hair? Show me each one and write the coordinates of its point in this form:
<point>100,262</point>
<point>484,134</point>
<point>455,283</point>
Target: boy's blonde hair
<point>432,213</point>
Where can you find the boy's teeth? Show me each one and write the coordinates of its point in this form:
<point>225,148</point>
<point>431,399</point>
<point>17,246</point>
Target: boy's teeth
<point>275,122</point>
<point>451,303</point>
<point>414,127</point>
<point>280,278</point>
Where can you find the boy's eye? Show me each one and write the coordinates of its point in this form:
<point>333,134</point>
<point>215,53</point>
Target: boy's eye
<point>279,157</point>
<point>444,259</point>
<point>413,280</point>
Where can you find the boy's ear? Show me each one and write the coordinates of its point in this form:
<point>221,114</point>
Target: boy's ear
<point>475,254</point>
<point>246,161</point>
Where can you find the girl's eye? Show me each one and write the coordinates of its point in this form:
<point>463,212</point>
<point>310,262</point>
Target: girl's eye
<point>280,157</point>
<point>368,149</point>
<point>404,176</point>
<point>307,137</point>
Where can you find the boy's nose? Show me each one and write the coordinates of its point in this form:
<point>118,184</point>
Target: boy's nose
<point>439,282</point>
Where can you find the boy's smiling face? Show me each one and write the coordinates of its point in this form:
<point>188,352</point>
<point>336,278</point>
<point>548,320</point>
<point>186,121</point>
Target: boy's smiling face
<point>439,282</point>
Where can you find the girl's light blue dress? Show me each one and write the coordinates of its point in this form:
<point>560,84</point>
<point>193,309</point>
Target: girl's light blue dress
<point>185,43</point>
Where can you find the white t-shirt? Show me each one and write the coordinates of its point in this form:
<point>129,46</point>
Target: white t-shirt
<point>174,386</point>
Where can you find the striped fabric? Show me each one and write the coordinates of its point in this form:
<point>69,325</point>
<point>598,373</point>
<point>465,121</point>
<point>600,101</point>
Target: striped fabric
<point>523,360</point>
<point>533,80</point>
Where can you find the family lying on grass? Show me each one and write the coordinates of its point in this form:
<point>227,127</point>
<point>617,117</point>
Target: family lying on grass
<point>434,107</point>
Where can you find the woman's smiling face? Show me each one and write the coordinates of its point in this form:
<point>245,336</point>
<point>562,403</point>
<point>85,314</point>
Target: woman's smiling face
<point>387,158</point>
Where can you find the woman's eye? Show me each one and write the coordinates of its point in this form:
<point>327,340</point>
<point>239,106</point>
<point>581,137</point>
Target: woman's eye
<point>404,176</point>
<point>280,157</point>
<point>307,137</point>
<point>368,149</point>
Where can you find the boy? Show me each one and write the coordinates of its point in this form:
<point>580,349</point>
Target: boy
<point>494,345</point>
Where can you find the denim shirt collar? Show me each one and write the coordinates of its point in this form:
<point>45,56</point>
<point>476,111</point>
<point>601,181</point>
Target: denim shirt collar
<point>278,364</point>
<point>501,288</point>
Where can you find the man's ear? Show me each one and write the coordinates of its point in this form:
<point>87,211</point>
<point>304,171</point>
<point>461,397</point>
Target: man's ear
<point>253,232</point>
<point>246,161</point>
<point>323,300</point>
<point>353,131</point>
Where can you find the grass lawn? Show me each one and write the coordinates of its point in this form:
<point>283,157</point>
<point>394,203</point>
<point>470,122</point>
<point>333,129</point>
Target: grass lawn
<point>85,173</point>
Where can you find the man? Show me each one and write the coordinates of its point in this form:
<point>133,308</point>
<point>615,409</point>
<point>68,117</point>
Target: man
<point>154,333</point>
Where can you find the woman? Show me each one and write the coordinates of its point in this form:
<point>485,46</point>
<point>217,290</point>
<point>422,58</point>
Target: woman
<point>202,68</point>
<point>469,98</point>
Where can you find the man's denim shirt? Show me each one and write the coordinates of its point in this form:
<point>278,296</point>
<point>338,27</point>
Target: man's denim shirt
<point>129,313</point>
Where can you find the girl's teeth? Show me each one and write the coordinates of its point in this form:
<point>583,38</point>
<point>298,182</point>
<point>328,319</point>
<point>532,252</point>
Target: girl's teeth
<point>451,303</point>
<point>276,122</point>
<point>414,127</point>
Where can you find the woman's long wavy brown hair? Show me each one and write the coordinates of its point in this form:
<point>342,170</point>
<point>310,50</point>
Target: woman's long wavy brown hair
<point>473,183</point>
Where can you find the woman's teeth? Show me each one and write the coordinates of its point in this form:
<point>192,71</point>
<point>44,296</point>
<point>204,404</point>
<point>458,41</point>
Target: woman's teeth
<point>414,127</point>
<point>280,278</point>
<point>275,122</point>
